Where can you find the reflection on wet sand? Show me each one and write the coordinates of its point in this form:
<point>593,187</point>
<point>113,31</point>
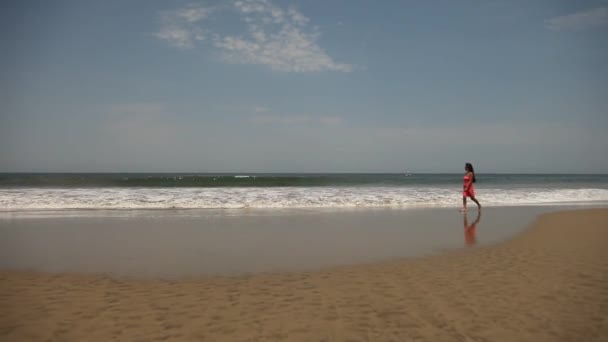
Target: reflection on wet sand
<point>470,237</point>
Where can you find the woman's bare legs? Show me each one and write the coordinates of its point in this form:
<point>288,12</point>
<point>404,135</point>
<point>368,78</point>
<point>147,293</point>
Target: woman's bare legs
<point>464,203</point>
<point>477,202</point>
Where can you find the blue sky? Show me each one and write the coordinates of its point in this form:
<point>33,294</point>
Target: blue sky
<point>304,86</point>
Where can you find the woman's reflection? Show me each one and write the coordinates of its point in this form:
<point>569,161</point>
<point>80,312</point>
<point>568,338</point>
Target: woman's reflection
<point>469,230</point>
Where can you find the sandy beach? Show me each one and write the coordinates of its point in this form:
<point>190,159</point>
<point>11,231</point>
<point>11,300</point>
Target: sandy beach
<point>549,283</point>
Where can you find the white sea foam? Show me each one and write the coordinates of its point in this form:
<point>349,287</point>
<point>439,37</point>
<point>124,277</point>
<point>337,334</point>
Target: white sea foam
<point>282,197</point>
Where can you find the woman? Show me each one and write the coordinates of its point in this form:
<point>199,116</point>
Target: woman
<point>468,189</point>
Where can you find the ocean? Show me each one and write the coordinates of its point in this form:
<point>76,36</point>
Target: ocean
<point>69,191</point>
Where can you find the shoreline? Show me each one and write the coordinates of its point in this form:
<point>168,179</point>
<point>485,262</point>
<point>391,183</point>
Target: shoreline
<point>561,206</point>
<point>547,283</point>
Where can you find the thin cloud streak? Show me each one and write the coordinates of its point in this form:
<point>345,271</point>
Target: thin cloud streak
<point>261,109</point>
<point>580,20</point>
<point>136,109</point>
<point>296,119</point>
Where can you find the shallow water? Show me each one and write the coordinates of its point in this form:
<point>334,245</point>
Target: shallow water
<point>183,243</point>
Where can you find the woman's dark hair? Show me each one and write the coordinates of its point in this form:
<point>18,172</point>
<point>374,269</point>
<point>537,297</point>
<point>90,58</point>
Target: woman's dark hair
<point>469,167</point>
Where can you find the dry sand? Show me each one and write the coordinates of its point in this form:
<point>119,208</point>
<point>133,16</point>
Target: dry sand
<point>548,284</point>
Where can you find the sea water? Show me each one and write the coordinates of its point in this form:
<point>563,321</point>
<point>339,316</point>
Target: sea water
<point>69,191</point>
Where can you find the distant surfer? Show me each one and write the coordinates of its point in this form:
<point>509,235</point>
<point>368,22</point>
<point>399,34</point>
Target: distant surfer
<point>468,189</point>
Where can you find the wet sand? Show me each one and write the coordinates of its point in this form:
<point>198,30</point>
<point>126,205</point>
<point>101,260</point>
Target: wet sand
<point>549,283</point>
<point>192,243</point>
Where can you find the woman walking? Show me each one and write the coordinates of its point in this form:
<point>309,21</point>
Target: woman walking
<point>468,189</point>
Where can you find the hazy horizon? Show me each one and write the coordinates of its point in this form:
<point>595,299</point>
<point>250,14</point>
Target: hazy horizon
<point>261,86</point>
<point>305,173</point>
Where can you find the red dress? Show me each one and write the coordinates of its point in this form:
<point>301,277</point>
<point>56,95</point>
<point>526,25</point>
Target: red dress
<point>471,191</point>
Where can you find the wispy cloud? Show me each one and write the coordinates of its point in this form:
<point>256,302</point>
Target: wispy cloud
<point>260,109</point>
<point>295,119</point>
<point>331,120</point>
<point>179,27</point>
<point>580,20</point>
<point>193,13</point>
<point>274,37</point>
<point>278,119</point>
<point>489,134</point>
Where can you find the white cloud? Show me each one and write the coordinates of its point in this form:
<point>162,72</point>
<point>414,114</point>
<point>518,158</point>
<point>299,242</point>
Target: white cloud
<point>297,17</point>
<point>179,27</point>
<point>289,50</point>
<point>580,20</point>
<point>276,38</point>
